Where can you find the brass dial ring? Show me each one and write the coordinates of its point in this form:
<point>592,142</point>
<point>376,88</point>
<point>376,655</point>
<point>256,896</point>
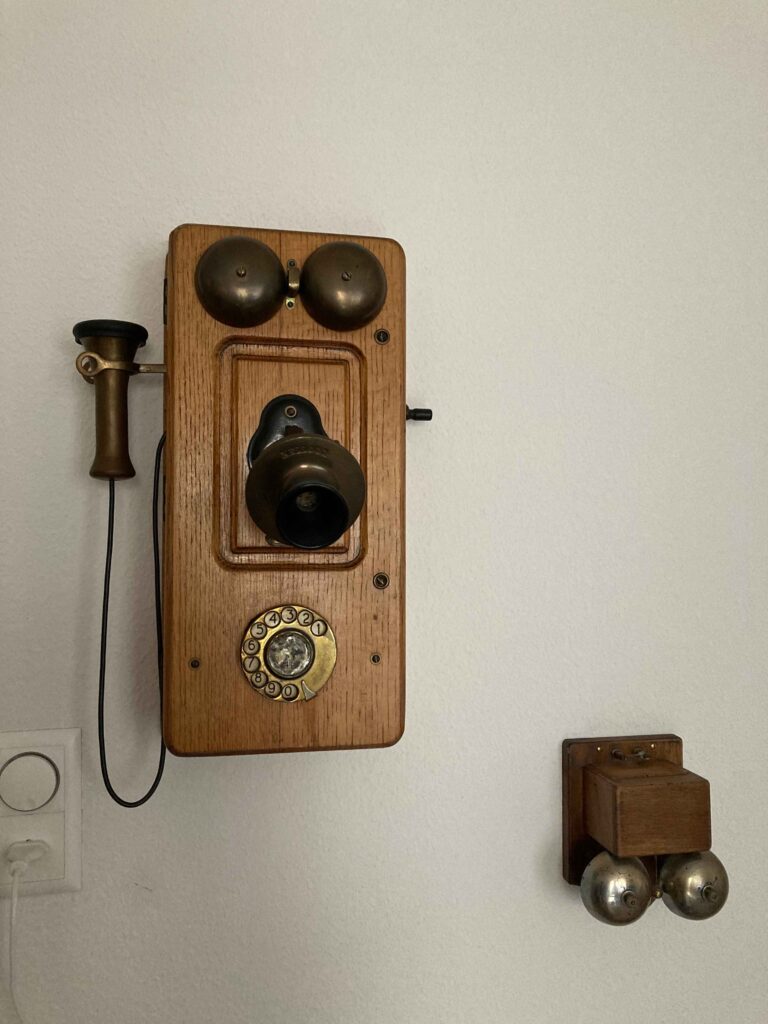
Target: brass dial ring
<point>288,653</point>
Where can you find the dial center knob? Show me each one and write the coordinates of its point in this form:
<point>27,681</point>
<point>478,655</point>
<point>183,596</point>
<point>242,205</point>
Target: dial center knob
<point>289,654</point>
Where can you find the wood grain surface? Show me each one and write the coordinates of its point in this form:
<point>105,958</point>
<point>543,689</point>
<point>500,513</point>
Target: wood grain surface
<point>219,570</point>
<point>646,810</point>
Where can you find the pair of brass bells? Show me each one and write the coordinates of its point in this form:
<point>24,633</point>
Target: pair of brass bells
<point>241,282</point>
<point>618,890</point>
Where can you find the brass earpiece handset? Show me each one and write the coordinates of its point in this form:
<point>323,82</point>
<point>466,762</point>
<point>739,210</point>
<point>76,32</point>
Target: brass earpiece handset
<point>108,363</point>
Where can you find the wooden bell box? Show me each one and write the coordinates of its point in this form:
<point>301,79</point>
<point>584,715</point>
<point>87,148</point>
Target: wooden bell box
<point>248,325</point>
<point>632,796</point>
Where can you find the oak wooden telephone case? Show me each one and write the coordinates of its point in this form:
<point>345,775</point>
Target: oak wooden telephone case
<point>284,530</point>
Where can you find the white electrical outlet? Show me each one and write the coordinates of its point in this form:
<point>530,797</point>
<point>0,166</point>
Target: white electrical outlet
<point>40,798</point>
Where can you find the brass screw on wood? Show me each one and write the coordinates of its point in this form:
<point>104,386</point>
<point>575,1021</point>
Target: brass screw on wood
<point>382,336</point>
<point>381,581</point>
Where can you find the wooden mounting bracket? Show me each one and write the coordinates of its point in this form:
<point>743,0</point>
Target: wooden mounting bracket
<point>630,795</point>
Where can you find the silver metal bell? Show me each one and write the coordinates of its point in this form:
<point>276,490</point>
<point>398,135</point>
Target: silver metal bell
<point>615,890</point>
<point>694,885</point>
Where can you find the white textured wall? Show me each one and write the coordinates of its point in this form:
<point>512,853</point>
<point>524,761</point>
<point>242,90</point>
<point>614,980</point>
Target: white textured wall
<point>580,188</point>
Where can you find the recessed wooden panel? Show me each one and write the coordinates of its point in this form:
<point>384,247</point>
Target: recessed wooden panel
<point>219,569</point>
<point>251,373</point>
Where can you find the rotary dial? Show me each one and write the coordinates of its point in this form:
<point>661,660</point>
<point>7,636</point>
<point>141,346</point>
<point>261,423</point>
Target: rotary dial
<point>288,653</point>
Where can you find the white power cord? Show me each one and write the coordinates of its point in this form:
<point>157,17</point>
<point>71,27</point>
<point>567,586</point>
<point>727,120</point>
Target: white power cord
<point>20,855</point>
<point>17,869</point>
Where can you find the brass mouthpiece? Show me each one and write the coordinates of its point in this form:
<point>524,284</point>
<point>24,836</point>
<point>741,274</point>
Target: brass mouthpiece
<point>303,489</point>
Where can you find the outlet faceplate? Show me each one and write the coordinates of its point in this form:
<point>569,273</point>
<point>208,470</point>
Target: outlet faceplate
<point>57,822</point>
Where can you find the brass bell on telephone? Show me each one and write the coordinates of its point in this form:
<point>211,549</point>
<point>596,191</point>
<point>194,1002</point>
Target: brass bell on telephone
<point>240,281</point>
<point>343,286</point>
<point>303,489</point>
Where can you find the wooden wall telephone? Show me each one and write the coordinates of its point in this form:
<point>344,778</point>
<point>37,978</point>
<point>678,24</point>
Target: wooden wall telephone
<point>284,529</point>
